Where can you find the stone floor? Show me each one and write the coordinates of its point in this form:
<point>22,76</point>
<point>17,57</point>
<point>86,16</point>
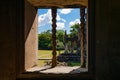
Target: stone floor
<point>58,69</point>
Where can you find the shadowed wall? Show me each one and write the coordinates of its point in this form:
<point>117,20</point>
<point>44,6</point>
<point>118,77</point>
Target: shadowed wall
<point>107,40</point>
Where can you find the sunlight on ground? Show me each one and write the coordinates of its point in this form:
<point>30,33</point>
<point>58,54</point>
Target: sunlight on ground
<point>44,54</point>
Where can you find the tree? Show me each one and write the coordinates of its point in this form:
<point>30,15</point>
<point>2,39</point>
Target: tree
<point>44,40</point>
<point>60,46</point>
<point>74,30</point>
<point>60,35</point>
<point>60,40</point>
<point>75,35</point>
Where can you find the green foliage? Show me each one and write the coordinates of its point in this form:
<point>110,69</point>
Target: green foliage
<point>45,40</point>
<point>60,45</point>
<point>60,35</point>
<point>75,29</point>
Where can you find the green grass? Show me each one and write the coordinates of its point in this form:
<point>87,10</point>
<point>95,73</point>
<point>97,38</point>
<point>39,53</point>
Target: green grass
<point>45,54</point>
<point>48,54</point>
<point>73,63</point>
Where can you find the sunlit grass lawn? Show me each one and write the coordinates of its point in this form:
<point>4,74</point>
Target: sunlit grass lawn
<point>43,54</point>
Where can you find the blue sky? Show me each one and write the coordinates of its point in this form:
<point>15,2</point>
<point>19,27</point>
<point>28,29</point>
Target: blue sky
<point>65,18</point>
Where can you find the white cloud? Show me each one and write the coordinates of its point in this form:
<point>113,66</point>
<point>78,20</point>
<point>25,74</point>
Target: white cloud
<point>60,25</point>
<point>58,17</point>
<point>63,20</point>
<point>65,11</point>
<point>44,19</point>
<point>74,22</point>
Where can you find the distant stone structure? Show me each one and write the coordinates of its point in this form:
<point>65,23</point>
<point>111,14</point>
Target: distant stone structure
<point>72,49</point>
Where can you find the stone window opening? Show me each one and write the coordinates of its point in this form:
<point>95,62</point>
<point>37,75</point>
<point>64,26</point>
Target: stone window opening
<point>67,58</point>
<point>53,35</point>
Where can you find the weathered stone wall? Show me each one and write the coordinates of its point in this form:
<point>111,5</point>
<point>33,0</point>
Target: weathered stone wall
<point>8,37</point>
<point>60,3</point>
<point>31,46</point>
<point>11,41</point>
<point>107,65</point>
<point>107,39</point>
<point>113,42</point>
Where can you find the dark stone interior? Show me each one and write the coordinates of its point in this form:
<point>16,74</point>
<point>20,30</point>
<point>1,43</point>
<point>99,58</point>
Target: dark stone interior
<point>106,21</point>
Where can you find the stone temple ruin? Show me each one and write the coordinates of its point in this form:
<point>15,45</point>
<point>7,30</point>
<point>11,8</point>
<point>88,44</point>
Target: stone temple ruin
<point>72,49</point>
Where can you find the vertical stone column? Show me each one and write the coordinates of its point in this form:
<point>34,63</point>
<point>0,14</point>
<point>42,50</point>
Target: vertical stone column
<point>54,11</point>
<point>82,14</point>
<point>87,38</point>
